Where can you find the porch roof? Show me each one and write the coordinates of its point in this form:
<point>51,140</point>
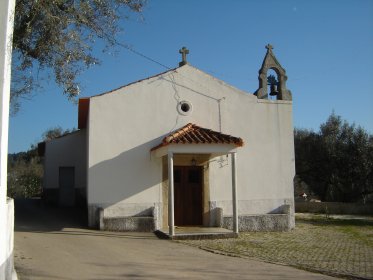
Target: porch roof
<point>193,134</point>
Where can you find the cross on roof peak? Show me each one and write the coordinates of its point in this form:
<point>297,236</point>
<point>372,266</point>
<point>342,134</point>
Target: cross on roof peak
<point>269,47</point>
<point>184,51</point>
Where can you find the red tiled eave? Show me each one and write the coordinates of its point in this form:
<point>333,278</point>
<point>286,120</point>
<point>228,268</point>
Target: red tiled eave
<point>193,134</point>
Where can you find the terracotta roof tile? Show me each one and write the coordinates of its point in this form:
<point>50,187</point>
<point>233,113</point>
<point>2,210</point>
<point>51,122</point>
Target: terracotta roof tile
<point>193,134</point>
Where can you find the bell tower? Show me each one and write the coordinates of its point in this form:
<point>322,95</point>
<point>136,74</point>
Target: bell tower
<point>277,86</point>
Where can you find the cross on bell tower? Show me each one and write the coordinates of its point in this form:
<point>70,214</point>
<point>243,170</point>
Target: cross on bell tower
<point>269,47</point>
<point>183,51</point>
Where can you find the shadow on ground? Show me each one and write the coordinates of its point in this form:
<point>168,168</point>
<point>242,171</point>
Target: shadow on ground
<point>32,215</point>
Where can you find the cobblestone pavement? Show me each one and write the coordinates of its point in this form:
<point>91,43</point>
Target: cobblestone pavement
<point>338,247</point>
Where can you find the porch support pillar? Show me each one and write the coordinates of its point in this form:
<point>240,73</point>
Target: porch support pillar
<point>234,192</point>
<point>171,219</point>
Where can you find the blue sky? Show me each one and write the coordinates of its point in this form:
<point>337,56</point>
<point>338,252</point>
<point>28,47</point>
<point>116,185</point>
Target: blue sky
<point>326,47</point>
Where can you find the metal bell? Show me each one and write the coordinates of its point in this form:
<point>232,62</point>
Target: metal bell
<point>274,91</point>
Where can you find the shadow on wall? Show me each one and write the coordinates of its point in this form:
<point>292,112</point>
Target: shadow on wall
<point>283,209</point>
<point>132,173</point>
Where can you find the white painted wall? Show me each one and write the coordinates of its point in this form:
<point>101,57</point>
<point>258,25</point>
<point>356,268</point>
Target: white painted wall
<point>266,163</point>
<point>67,151</point>
<point>6,206</point>
<point>125,124</point>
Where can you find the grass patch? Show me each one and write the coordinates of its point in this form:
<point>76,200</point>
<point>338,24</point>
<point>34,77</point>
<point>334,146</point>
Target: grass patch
<point>357,229</point>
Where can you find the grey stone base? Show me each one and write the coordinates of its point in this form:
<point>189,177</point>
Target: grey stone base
<point>141,224</point>
<point>266,222</point>
<point>162,235</point>
<point>145,221</point>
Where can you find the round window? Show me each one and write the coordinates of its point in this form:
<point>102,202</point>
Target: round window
<point>184,108</point>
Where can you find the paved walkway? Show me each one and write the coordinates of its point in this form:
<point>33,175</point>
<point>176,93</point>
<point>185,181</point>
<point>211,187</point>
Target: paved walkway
<point>49,244</point>
<point>340,246</point>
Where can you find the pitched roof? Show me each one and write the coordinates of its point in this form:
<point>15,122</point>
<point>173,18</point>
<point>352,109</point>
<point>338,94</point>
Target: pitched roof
<point>193,134</point>
<point>138,81</point>
<point>83,107</point>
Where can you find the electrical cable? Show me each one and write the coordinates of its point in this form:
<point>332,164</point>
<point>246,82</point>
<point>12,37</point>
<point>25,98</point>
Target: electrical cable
<point>143,55</point>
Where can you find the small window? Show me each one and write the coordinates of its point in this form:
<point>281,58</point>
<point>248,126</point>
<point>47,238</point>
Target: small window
<point>184,108</point>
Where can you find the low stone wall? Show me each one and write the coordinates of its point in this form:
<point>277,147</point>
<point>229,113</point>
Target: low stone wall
<point>281,221</point>
<point>266,222</point>
<point>334,208</point>
<point>147,223</point>
<point>132,223</point>
<point>141,224</point>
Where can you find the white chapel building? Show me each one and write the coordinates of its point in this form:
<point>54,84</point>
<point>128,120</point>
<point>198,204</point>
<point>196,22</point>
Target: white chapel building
<point>181,148</point>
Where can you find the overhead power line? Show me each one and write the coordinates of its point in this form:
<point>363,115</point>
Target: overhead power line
<point>143,55</point>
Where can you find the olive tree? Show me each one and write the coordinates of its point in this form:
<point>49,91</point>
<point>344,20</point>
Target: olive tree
<point>57,38</point>
<point>337,161</point>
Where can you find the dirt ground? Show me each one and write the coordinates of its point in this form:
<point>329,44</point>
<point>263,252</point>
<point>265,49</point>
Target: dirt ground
<point>52,244</point>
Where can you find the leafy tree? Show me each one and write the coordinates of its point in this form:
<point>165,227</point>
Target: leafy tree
<point>55,132</point>
<point>25,172</point>
<point>336,162</point>
<point>58,36</point>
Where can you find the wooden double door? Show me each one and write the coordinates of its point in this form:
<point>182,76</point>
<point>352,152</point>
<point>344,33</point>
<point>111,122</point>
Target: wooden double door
<point>188,195</point>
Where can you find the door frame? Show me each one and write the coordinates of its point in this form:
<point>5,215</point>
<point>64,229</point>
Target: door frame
<point>201,160</point>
